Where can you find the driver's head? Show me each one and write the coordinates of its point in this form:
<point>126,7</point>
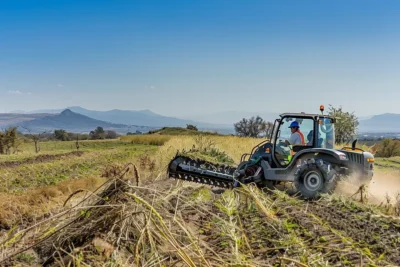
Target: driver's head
<point>294,126</point>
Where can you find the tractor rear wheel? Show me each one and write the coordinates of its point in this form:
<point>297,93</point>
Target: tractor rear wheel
<point>315,177</point>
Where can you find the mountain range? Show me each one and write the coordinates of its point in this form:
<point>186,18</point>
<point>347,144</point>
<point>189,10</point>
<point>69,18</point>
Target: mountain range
<point>383,123</point>
<point>78,119</point>
<point>140,117</point>
<point>72,122</point>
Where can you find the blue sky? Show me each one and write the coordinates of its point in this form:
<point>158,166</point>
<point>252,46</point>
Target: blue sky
<point>195,57</point>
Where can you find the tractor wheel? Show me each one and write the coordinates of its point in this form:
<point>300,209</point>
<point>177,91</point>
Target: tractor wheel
<point>315,177</point>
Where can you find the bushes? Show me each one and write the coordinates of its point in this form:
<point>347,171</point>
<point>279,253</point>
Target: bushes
<point>388,148</point>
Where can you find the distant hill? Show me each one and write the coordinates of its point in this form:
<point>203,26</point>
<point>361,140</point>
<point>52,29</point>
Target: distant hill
<point>387,122</point>
<point>7,119</point>
<point>74,122</point>
<point>141,117</point>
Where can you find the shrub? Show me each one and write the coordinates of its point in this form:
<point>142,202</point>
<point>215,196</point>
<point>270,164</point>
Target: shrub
<point>191,127</point>
<point>388,148</point>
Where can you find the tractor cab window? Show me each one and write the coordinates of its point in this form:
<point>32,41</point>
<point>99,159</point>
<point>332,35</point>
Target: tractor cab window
<point>274,131</point>
<point>326,132</point>
<point>288,136</point>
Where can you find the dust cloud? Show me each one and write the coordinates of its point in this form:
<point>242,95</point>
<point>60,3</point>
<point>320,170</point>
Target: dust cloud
<point>383,184</point>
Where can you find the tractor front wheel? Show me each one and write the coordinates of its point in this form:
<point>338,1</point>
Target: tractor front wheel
<point>315,177</point>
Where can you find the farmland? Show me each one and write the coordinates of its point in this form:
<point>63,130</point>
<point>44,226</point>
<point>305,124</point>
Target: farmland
<point>109,203</point>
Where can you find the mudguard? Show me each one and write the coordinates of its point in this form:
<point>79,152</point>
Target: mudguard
<point>332,155</point>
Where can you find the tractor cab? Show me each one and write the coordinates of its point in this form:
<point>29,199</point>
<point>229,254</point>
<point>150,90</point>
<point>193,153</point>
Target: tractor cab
<point>313,131</point>
<point>294,132</point>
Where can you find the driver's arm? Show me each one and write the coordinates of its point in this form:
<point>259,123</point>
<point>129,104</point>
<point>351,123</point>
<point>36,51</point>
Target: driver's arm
<point>293,139</point>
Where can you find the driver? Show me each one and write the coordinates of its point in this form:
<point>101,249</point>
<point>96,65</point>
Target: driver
<point>297,137</point>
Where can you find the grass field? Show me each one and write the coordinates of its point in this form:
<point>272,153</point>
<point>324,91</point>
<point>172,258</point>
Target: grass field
<point>144,219</point>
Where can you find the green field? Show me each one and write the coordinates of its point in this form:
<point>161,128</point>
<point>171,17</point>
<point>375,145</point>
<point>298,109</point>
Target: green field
<point>393,162</point>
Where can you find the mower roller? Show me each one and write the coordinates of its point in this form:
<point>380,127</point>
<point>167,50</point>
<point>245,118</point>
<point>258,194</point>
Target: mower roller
<point>314,167</point>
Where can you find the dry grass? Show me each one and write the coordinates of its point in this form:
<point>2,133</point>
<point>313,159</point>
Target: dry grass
<point>233,146</point>
<point>143,220</point>
<point>23,177</point>
<point>23,208</point>
<point>28,191</point>
<point>185,225</point>
<point>145,169</point>
<point>148,139</point>
<point>146,226</point>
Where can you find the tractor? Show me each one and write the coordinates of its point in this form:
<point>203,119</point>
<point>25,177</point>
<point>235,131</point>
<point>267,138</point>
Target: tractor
<point>314,166</point>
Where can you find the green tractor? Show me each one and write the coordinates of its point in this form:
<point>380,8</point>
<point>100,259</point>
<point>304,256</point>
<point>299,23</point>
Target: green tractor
<point>313,166</point>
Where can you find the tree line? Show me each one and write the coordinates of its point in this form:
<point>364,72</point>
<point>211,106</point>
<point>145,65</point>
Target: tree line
<point>11,138</point>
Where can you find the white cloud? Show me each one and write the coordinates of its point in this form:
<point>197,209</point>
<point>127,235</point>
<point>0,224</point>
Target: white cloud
<point>18,92</point>
<point>60,85</point>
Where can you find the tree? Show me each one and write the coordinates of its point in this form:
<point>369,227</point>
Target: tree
<point>8,140</point>
<point>98,133</point>
<point>267,128</point>
<point>250,127</point>
<point>345,126</point>
<point>35,138</point>
<point>110,135</point>
<point>191,127</point>
<point>61,135</point>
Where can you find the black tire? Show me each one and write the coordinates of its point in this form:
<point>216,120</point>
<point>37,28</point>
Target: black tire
<point>315,177</point>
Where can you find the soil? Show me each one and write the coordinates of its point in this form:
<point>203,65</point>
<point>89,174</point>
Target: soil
<point>375,234</point>
<point>311,233</point>
<point>338,233</point>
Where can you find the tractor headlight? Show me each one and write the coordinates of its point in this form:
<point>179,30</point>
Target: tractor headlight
<point>342,156</point>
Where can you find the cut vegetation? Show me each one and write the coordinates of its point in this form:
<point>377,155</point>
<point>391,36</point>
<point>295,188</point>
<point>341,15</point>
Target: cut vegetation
<point>110,204</point>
